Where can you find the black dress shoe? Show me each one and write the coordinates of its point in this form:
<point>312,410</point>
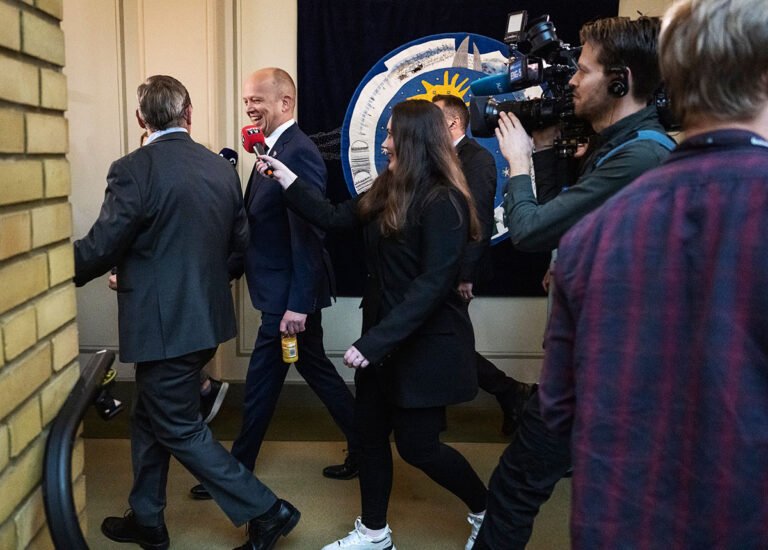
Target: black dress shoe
<point>348,470</point>
<point>263,531</point>
<point>126,529</point>
<point>199,492</point>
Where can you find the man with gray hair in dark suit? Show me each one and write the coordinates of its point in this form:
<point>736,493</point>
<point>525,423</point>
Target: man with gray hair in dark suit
<point>172,214</point>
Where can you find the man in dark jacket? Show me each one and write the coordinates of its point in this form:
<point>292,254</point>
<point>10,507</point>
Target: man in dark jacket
<point>617,75</point>
<point>479,169</point>
<point>172,214</point>
<point>289,277</point>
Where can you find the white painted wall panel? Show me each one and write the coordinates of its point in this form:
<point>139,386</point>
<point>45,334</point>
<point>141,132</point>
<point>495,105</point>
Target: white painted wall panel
<point>210,45</point>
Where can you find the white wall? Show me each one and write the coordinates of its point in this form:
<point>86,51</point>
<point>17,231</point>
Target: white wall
<point>631,8</point>
<point>112,45</point>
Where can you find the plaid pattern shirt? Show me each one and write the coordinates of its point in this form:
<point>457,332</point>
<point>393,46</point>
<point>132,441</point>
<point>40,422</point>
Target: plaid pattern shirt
<point>657,354</point>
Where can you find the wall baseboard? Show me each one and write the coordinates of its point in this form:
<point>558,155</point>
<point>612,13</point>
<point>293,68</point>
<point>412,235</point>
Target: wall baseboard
<point>301,416</point>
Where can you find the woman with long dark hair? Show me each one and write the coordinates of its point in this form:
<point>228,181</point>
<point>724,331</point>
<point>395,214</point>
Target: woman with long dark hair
<point>416,351</point>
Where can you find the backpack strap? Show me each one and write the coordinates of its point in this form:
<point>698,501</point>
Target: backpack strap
<point>642,135</point>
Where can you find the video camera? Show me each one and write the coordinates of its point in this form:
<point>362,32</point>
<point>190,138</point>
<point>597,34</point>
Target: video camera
<point>537,57</point>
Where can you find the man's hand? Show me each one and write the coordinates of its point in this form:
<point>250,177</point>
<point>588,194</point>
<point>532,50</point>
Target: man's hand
<point>112,281</point>
<point>515,144</point>
<point>354,359</point>
<point>547,280</point>
<point>293,323</point>
<point>581,150</point>
<point>465,290</point>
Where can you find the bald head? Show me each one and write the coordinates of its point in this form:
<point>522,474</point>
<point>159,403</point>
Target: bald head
<point>275,78</point>
<point>269,96</point>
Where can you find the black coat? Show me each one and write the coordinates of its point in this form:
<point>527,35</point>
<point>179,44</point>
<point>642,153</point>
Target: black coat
<point>172,214</point>
<point>416,329</point>
<point>479,168</point>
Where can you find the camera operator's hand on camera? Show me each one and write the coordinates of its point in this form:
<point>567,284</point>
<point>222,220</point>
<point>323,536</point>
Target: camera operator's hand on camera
<point>515,144</point>
<point>280,172</point>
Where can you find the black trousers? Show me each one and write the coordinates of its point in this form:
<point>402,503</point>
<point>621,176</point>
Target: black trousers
<point>264,381</point>
<point>527,473</point>
<point>492,379</point>
<point>417,438</point>
<point>166,422</point>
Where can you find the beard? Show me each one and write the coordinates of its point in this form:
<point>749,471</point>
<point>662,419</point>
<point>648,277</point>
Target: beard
<point>593,108</point>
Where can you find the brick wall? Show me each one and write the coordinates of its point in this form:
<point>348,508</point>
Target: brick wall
<point>38,333</point>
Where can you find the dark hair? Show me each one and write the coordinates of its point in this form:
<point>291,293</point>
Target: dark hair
<point>455,106</point>
<point>623,42</point>
<point>426,162</point>
<point>163,101</point>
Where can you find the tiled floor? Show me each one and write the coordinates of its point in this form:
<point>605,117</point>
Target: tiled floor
<point>422,516</point>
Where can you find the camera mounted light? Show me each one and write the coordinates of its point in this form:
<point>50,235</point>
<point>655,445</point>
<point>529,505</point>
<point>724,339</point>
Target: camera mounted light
<point>516,22</point>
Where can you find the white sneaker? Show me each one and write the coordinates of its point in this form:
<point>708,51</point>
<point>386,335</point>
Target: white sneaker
<point>358,540</point>
<point>475,520</point>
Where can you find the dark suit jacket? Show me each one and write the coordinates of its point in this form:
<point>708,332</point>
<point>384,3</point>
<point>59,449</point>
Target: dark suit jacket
<point>416,329</point>
<point>479,168</point>
<point>285,264</point>
<point>172,214</point>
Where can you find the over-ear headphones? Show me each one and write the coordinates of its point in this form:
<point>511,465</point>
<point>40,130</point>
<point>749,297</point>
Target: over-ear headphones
<point>619,86</point>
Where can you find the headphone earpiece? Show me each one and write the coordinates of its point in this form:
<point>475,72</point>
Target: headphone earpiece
<point>619,86</point>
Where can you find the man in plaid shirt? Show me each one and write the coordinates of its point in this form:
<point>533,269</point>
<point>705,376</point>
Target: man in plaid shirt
<point>617,75</point>
<point>657,350</point>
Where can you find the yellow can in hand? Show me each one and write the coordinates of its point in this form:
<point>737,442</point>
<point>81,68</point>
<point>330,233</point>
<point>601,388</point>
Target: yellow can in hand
<point>290,349</point>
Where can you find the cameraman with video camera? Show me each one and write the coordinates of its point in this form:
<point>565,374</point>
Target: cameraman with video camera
<point>617,76</point>
<point>613,91</point>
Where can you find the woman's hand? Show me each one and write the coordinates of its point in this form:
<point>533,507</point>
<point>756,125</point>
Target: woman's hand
<point>354,359</point>
<point>270,166</point>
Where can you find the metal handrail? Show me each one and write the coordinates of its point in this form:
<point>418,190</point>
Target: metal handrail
<point>57,467</point>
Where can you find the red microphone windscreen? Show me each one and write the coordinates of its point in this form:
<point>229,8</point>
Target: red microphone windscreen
<point>253,138</point>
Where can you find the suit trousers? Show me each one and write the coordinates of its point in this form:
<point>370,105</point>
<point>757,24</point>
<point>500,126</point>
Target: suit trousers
<point>266,374</point>
<point>166,421</point>
<point>527,473</point>
<point>492,379</point>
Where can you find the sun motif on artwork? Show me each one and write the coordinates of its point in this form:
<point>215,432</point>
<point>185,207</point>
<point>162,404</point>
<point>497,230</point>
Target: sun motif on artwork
<point>448,87</point>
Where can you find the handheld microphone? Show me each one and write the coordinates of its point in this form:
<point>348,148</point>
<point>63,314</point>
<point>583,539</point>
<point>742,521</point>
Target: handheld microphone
<point>254,142</point>
<point>229,154</point>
